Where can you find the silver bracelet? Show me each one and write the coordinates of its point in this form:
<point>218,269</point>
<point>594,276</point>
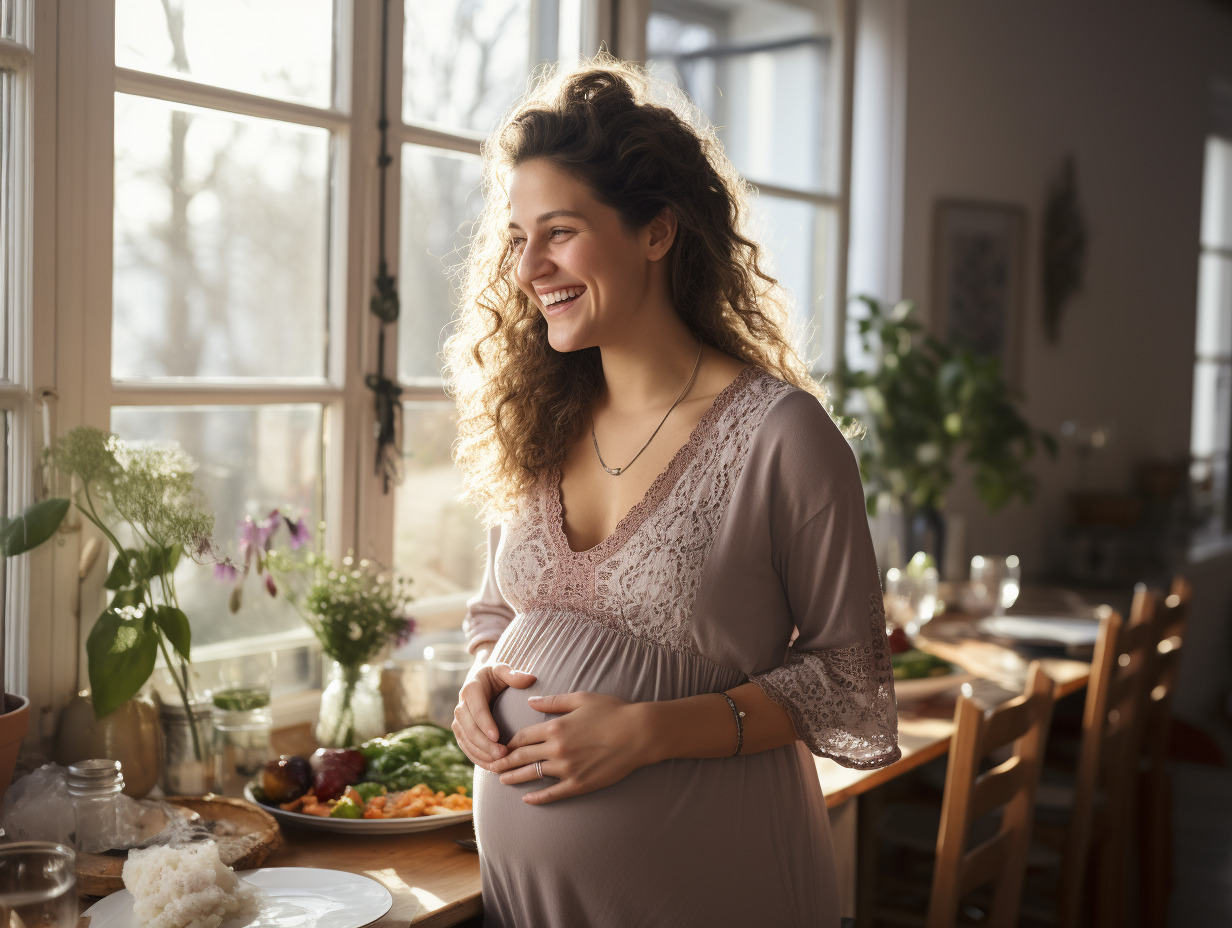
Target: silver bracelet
<point>739,723</point>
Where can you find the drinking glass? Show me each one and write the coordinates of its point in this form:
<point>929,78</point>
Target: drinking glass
<point>37,885</point>
<point>995,584</point>
<point>911,595</point>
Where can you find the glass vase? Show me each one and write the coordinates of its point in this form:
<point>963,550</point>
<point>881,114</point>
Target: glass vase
<point>352,708</point>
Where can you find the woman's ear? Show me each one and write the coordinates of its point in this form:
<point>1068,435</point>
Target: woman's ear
<point>659,234</point>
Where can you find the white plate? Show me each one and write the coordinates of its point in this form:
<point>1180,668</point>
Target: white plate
<point>295,897</point>
<point>1041,630</point>
<point>906,691</point>
<point>361,826</point>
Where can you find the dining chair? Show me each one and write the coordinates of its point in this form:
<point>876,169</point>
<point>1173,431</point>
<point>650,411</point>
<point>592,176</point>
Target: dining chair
<point>1154,784</point>
<point>1085,812</point>
<point>986,809</point>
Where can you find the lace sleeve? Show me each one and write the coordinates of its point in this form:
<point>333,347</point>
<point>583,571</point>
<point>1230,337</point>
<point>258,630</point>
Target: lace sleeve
<point>836,681</point>
<point>487,613</point>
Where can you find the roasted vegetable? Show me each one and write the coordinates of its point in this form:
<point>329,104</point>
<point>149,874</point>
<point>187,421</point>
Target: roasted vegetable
<point>287,778</point>
<point>347,808</point>
<point>333,769</point>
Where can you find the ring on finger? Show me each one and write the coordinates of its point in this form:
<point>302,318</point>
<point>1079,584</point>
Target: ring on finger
<point>539,769</point>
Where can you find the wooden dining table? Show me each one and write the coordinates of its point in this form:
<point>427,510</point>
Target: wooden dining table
<point>434,880</point>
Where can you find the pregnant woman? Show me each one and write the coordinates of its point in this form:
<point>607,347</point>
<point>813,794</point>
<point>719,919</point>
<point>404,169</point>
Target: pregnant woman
<point>681,600</point>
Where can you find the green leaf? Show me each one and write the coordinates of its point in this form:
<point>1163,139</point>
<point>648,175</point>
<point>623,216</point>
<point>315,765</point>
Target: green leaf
<point>174,624</point>
<point>33,527</point>
<point>121,576</point>
<point>121,649</point>
<point>131,597</point>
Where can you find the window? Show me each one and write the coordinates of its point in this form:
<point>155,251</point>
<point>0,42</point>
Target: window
<point>1212,396</point>
<point>231,250</point>
<point>769,75</point>
<point>216,174</point>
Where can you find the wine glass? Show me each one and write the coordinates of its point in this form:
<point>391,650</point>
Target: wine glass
<point>995,584</point>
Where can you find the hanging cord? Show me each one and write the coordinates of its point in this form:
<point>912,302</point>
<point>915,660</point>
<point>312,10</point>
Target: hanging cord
<point>384,304</point>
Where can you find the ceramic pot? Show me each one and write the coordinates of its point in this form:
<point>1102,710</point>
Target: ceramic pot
<point>14,724</point>
<point>130,735</point>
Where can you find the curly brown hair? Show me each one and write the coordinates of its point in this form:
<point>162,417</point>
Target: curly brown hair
<point>641,147</point>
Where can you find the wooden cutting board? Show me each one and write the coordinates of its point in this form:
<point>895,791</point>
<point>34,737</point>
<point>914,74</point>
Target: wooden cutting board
<point>246,835</point>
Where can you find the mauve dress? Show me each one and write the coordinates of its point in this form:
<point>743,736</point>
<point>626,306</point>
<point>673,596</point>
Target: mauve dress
<point>755,533</point>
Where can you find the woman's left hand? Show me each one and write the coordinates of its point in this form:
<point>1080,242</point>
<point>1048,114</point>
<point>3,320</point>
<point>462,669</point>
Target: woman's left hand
<point>596,741</point>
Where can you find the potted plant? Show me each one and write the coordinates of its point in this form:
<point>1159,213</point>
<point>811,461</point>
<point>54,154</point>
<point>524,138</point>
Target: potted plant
<point>923,403</point>
<point>141,497</point>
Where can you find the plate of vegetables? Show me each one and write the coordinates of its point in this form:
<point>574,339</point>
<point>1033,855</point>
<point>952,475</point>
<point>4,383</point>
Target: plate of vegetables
<point>412,780</point>
<point>920,675</point>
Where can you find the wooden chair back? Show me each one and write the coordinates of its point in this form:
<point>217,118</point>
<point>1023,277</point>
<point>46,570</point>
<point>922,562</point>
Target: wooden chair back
<point>1111,732</point>
<point>1170,620</point>
<point>1009,787</point>
<point>1154,792</point>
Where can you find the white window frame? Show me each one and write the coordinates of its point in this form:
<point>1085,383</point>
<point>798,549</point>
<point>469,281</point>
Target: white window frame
<point>1207,544</point>
<point>90,78</point>
<point>31,663</point>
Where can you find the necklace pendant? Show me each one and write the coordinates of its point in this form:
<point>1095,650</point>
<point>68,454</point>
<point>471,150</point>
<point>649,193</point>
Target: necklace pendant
<point>614,471</point>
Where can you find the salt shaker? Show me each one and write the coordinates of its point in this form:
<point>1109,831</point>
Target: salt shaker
<point>95,786</point>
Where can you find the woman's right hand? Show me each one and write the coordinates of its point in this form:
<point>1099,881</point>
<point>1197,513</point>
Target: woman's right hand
<point>473,724</point>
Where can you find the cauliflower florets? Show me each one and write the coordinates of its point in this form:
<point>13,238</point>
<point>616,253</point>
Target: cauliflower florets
<point>184,887</point>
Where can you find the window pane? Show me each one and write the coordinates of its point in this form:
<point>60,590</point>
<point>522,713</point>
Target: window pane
<point>798,239</point>
<point>221,245</point>
<point>275,48</point>
<point>1212,408</point>
<point>438,541</point>
<point>6,465</point>
<point>251,459</point>
<point>8,18</point>
<point>9,219</point>
<point>762,72</point>
<point>1217,194</point>
<point>1214,305</point>
<point>440,197</point>
<point>466,61</point>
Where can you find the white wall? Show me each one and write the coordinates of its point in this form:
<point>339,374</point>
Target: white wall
<point>997,94</point>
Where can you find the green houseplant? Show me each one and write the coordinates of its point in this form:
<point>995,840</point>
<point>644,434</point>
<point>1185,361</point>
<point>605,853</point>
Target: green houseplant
<point>924,403</point>
<point>142,498</point>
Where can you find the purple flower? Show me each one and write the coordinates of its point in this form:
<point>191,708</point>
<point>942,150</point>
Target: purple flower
<point>266,528</point>
<point>299,533</point>
<point>404,634</point>
<point>225,571</point>
<point>270,585</point>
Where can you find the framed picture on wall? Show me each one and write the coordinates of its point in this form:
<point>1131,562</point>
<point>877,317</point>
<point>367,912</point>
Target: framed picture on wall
<point>979,278</point>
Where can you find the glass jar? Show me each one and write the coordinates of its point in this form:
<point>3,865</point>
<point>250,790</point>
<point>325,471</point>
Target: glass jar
<point>242,724</point>
<point>95,786</point>
<point>188,766</point>
<point>448,665</point>
<point>352,708</point>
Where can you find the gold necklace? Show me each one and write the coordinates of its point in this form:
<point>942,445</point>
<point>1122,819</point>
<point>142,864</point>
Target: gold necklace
<point>617,471</point>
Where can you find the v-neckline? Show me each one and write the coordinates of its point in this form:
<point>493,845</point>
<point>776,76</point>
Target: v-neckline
<point>655,493</point>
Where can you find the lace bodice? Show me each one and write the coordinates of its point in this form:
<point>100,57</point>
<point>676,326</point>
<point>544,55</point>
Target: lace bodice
<point>642,578</point>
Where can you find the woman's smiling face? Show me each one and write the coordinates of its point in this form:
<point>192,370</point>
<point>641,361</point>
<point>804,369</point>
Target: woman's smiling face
<point>577,263</point>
